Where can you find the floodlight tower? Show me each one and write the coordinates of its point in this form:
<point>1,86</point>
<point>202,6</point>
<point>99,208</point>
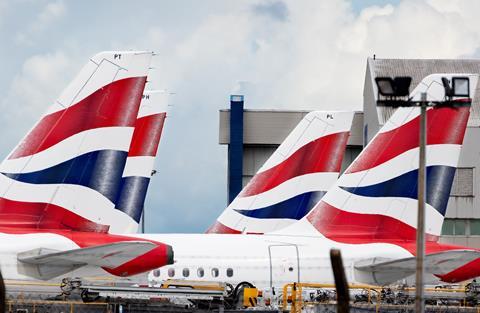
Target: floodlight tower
<point>395,92</point>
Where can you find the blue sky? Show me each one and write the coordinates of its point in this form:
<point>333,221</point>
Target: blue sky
<point>358,5</point>
<point>281,54</point>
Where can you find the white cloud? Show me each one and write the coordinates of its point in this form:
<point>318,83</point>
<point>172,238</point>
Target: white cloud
<point>290,54</point>
<point>52,11</point>
<point>44,19</point>
<point>314,59</point>
<point>33,90</point>
<point>38,83</point>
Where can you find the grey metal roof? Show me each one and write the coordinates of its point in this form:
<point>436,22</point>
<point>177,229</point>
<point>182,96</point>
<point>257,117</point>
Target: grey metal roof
<point>271,127</point>
<point>418,69</point>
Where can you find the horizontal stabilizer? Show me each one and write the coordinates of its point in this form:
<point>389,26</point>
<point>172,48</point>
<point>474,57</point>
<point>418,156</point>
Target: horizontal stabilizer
<point>46,263</point>
<point>383,271</point>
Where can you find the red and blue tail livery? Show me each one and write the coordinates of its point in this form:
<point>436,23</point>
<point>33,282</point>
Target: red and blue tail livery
<point>141,155</point>
<point>293,179</point>
<point>375,200</point>
<point>66,173</point>
<point>59,186</point>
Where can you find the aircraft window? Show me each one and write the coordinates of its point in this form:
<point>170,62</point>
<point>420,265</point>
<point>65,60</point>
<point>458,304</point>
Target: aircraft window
<point>171,272</point>
<point>186,272</point>
<point>200,272</point>
<point>229,272</point>
<point>215,272</point>
<point>156,273</point>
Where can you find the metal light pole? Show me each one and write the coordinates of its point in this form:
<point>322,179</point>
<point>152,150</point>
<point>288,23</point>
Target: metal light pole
<point>394,92</point>
<point>419,283</point>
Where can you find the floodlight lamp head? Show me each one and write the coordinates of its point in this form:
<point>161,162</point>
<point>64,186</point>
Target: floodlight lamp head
<point>393,92</point>
<point>461,87</point>
<point>402,86</point>
<point>458,87</point>
<point>393,87</point>
<point>385,86</point>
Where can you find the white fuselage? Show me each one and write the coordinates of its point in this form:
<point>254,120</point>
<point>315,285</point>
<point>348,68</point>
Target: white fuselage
<point>263,260</point>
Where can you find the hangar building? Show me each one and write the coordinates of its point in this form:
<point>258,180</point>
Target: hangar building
<point>253,135</point>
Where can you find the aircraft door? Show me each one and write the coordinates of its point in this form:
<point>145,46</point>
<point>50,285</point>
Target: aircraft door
<point>284,264</point>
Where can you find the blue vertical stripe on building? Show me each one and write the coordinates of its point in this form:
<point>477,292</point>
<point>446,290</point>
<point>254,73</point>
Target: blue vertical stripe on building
<point>235,149</point>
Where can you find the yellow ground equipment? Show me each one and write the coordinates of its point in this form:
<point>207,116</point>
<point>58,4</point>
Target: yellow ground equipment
<point>250,296</point>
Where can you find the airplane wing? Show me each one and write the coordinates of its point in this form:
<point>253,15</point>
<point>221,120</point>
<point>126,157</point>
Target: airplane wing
<point>384,271</point>
<point>47,263</point>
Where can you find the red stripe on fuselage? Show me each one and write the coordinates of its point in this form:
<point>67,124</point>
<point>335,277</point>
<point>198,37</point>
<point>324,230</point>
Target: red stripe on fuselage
<point>219,228</point>
<point>445,126</point>
<point>35,215</point>
<point>146,137</point>
<point>114,105</point>
<point>324,154</point>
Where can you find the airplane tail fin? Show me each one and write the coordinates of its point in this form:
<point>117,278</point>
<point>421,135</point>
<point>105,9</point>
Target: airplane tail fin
<point>293,179</point>
<point>66,172</point>
<point>376,198</point>
<point>141,156</point>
